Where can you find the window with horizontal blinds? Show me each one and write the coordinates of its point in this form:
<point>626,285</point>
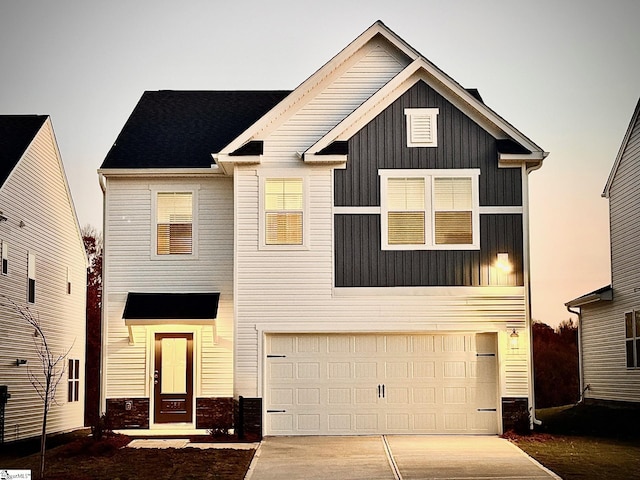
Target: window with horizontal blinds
<point>284,212</point>
<point>174,223</point>
<point>406,211</point>
<point>453,211</point>
<point>424,209</point>
<point>4,255</point>
<point>31,277</point>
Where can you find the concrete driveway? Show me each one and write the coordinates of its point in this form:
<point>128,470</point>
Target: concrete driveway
<point>393,457</point>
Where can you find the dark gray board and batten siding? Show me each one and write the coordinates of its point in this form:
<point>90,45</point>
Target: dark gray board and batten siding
<point>382,144</point>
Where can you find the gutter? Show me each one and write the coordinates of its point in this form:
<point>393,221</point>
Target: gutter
<point>527,170</point>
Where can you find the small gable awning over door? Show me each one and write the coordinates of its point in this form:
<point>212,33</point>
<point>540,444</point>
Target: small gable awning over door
<point>170,308</point>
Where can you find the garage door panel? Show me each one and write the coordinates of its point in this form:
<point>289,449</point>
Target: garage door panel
<point>377,383</point>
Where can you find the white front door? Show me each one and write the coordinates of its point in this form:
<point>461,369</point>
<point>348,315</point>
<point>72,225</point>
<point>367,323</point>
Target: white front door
<point>340,384</point>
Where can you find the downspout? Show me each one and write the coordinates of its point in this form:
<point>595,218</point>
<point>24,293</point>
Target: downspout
<point>103,330</point>
<point>527,279</point>
<point>578,313</point>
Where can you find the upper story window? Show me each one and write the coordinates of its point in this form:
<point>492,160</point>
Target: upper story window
<point>632,338</point>
<point>422,127</point>
<point>284,207</point>
<point>4,255</point>
<point>68,281</point>
<point>31,277</point>
<point>174,223</point>
<point>430,209</point>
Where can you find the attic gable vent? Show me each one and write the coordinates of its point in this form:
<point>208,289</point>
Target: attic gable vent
<point>422,127</point>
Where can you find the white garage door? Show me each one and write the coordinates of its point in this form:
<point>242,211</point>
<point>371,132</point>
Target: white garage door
<point>341,384</point>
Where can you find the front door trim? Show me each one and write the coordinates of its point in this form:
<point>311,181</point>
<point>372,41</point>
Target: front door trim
<point>172,408</point>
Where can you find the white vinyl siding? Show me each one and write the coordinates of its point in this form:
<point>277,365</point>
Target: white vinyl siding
<point>359,77</point>
<point>131,265</point>
<point>36,194</point>
<point>422,127</point>
<point>430,209</point>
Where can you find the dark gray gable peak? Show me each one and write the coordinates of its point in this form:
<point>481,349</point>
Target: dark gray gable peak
<point>16,134</point>
<point>181,129</point>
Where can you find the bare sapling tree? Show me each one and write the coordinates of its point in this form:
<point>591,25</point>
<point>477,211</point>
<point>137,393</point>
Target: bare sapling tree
<point>52,371</point>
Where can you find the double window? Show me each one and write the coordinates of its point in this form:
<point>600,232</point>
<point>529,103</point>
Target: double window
<point>283,210</point>
<point>632,338</point>
<point>174,223</point>
<point>430,209</point>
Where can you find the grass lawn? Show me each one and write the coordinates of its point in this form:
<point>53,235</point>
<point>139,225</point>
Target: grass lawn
<point>586,442</point>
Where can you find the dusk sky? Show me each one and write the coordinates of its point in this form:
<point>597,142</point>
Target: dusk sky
<point>565,73</point>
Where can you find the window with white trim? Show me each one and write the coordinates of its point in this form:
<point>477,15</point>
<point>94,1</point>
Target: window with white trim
<point>174,223</point>
<point>422,127</point>
<point>632,338</point>
<point>4,255</point>
<point>283,211</point>
<point>31,277</point>
<point>430,209</point>
<point>73,391</point>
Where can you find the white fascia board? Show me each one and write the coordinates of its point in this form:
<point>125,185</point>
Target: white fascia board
<point>227,162</point>
<point>511,160</point>
<point>295,98</point>
<point>314,158</point>
<point>159,172</point>
<point>422,69</point>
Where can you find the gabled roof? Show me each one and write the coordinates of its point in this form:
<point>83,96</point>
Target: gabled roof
<point>181,129</point>
<point>623,147</point>
<point>16,134</point>
<point>601,294</point>
<point>514,142</point>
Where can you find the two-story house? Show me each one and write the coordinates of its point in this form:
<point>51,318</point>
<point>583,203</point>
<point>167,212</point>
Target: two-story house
<point>609,318</point>
<point>349,257</point>
<point>44,271</point>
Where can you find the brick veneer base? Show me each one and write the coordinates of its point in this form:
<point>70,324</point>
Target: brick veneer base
<point>515,414</point>
<point>119,417</point>
<point>215,414</point>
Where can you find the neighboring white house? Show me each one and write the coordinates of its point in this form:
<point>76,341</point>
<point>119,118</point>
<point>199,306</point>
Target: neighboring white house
<point>609,325</point>
<point>44,269</point>
<point>347,258</point>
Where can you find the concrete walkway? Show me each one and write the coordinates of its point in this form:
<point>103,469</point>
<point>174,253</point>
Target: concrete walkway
<point>393,458</point>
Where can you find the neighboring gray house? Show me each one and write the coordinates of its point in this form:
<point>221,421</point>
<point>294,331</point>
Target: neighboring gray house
<point>609,325</point>
<point>43,268</point>
<point>351,257</point>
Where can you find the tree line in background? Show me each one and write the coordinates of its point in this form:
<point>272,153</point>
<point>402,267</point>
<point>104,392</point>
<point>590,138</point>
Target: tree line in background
<point>555,364</point>
<point>93,246</point>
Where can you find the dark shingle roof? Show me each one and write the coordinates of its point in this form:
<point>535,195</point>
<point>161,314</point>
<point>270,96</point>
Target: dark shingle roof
<point>177,129</point>
<point>16,133</point>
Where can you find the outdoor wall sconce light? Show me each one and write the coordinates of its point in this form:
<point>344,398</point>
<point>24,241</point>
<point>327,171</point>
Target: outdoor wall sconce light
<point>2,217</point>
<point>22,224</point>
<point>20,361</point>
<point>514,340</point>
<point>503,264</point>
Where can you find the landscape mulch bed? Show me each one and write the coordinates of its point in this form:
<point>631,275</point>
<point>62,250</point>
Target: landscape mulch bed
<point>109,459</point>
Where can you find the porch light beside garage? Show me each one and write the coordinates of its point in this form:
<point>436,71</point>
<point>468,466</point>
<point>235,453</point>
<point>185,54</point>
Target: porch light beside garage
<point>503,264</point>
<point>514,340</point>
